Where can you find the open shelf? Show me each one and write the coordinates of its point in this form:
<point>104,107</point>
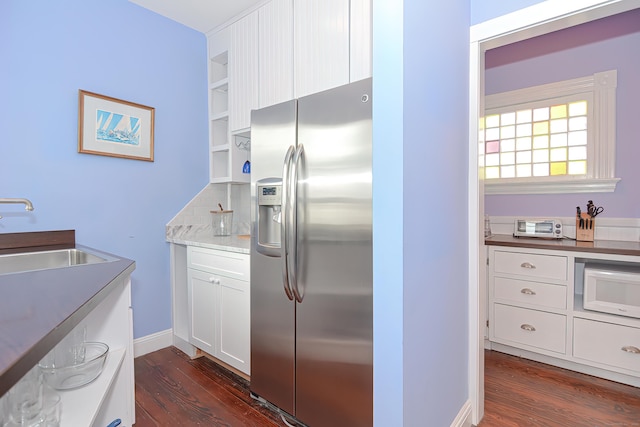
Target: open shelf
<point>580,311</point>
<point>221,85</point>
<point>221,116</point>
<point>81,406</point>
<point>221,147</point>
<point>218,67</point>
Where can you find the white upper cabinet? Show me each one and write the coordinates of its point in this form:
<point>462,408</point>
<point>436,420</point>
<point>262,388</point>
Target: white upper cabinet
<point>275,39</point>
<point>243,72</point>
<point>360,40</point>
<point>285,49</point>
<point>321,45</point>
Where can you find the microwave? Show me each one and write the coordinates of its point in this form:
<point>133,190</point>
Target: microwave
<point>538,227</point>
<point>612,289</point>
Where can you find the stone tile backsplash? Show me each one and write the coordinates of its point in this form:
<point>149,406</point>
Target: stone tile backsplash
<point>197,213</point>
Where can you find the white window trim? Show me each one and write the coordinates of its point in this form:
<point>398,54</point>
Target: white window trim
<point>600,176</point>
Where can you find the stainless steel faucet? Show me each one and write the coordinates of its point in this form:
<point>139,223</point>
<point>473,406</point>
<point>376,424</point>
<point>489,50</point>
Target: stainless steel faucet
<point>28,206</point>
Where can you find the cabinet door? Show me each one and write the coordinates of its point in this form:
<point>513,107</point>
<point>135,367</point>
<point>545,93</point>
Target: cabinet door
<point>234,345</point>
<point>243,71</point>
<point>321,45</point>
<point>202,298</point>
<point>607,343</point>
<point>360,40</point>
<point>275,28</point>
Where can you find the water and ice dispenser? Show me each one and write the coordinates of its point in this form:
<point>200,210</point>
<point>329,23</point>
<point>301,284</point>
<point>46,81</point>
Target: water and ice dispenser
<point>269,220</point>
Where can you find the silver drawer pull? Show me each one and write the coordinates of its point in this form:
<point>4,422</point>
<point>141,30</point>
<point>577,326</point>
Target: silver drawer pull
<point>527,265</point>
<point>631,349</point>
<point>527,291</point>
<point>527,327</point>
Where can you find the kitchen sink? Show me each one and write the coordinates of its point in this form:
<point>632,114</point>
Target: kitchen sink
<point>31,261</point>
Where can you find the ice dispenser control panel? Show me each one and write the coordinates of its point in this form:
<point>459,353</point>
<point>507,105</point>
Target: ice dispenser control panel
<point>269,195</point>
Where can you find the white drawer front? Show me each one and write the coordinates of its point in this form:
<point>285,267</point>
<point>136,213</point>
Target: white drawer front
<point>604,343</point>
<point>522,291</point>
<point>229,264</point>
<point>533,265</point>
<point>530,327</point>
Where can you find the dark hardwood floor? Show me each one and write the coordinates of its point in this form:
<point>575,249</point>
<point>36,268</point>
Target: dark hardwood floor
<point>521,392</point>
<point>172,390</point>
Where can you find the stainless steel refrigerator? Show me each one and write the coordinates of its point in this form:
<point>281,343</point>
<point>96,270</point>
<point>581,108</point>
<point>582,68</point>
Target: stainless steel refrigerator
<point>311,257</point>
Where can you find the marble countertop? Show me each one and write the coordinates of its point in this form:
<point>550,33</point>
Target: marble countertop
<point>202,236</point>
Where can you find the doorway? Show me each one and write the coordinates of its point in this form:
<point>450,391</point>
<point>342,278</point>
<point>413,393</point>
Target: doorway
<point>542,18</point>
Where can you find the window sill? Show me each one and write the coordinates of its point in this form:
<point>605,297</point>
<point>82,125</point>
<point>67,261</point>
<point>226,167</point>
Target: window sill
<point>569,185</point>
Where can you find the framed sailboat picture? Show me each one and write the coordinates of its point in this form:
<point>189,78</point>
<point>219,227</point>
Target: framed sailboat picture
<point>113,127</point>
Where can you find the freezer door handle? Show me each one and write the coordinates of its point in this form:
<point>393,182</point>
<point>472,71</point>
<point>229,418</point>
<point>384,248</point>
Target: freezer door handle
<point>293,218</point>
<point>283,222</point>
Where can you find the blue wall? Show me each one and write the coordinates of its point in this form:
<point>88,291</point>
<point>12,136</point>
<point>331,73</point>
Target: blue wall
<point>50,50</point>
<point>420,152</point>
<point>436,153</point>
<point>388,208</point>
<point>484,10</point>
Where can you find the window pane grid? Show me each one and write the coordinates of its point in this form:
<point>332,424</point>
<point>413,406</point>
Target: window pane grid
<point>538,142</point>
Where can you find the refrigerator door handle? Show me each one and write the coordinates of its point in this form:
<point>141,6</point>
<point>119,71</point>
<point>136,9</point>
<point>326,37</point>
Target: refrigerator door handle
<point>293,218</point>
<point>283,222</point>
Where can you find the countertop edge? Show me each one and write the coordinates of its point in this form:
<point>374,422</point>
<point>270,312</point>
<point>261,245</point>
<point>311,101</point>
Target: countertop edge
<point>237,247</point>
<point>612,247</point>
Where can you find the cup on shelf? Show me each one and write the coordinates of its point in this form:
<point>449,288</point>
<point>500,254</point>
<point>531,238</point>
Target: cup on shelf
<point>24,400</point>
<point>70,350</point>
<point>3,402</point>
<point>51,408</point>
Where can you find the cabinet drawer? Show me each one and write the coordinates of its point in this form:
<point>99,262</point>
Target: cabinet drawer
<point>530,327</point>
<point>228,264</point>
<point>604,342</point>
<point>532,265</point>
<point>522,291</point>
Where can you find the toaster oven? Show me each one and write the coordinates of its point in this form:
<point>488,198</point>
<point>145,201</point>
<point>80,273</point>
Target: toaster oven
<point>538,227</point>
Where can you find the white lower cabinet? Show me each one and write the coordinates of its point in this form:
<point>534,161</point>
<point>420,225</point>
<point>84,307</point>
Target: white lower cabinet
<point>536,311</point>
<point>202,297</point>
<point>531,328</point>
<point>111,395</point>
<point>607,343</point>
<point>528,300</point>
<point>218,293</point>
<point>234,337</point>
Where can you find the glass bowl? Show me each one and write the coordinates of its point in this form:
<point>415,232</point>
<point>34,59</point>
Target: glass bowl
<point>78,373</point>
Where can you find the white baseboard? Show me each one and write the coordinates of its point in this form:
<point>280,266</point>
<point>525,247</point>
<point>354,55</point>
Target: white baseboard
<point>463,419</point>
<point>185,347</point>
<point>153,342</point>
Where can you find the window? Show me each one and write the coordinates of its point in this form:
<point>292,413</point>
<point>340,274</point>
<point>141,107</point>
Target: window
<point>554,138</point>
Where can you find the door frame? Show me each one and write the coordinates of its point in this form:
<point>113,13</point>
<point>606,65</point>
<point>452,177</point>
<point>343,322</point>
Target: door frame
<point>542,18</point>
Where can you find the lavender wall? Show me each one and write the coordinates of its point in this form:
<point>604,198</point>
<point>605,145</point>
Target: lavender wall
<point>49,50</point>
<point>609,43</point>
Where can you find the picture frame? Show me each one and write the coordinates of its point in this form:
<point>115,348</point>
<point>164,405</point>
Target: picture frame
<point>113,127</point>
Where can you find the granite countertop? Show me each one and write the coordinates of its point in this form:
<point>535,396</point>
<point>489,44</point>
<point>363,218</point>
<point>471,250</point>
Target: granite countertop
<point>614,247</point>
<point>38,308</point>
<point>202,236</point>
